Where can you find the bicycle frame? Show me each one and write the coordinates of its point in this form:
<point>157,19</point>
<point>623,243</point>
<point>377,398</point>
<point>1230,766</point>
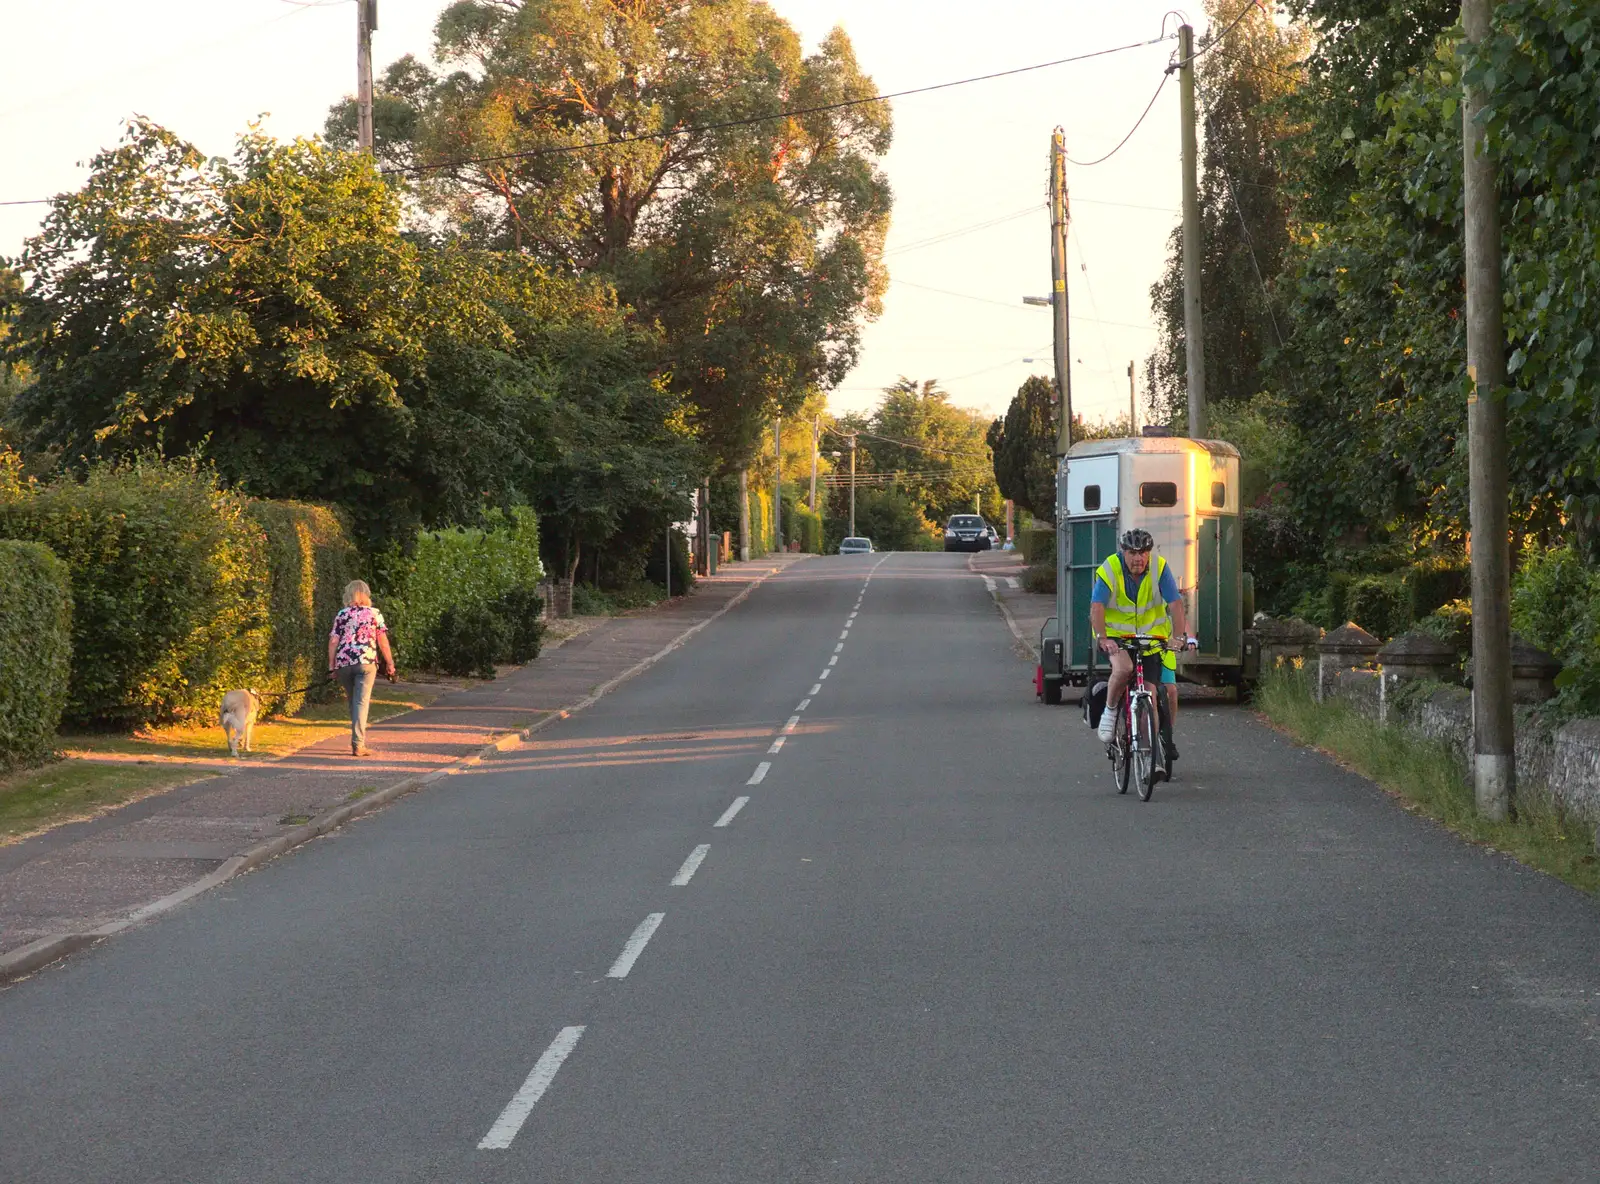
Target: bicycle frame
<point>1127,742</point>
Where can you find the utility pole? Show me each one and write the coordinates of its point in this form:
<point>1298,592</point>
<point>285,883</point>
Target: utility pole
<point>366,24</point>
<point>1193,329</point>
<point>1058,288</point>
<point>1133,405</point>
<point>777,483</point>
<point>1494,768</point>
<point>852,485</point>
<point>744,515</point>
<point>816,442</point>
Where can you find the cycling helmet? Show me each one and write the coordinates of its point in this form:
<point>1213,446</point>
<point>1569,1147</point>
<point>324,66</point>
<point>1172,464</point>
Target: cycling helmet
<point>1137,540</point>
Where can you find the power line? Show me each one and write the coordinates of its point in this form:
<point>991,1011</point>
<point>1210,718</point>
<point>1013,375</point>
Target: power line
<point>1089,164</point>
<point>1215,41</point>
<point>674,133</point>
<point>947,235</point>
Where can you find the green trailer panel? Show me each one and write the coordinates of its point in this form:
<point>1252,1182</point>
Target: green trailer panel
<point>1091,540</point>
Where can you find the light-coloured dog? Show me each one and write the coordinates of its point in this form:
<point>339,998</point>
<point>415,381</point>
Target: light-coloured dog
<point>239,711</point>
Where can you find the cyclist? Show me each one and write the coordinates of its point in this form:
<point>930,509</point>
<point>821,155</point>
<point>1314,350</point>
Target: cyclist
<point>1134,593</point>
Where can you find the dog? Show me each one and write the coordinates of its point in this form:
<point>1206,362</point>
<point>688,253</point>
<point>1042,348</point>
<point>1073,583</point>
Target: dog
<point>239,711</point>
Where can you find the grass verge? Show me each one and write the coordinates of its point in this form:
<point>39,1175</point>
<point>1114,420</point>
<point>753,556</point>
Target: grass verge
<point>35,800</point>
<point>272,737</point>
<point>1426,777</point>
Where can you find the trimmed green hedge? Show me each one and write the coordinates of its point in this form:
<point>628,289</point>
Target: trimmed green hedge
<point>169,588</point>
<point>310,559</point>
<point>35,650</point>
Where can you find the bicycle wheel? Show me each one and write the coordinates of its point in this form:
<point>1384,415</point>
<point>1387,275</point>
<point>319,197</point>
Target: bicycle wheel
<point>1144,748</point>
<point>1119,749</point>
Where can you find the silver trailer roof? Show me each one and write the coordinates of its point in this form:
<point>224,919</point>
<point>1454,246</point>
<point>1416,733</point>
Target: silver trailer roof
<point>1150,444</point>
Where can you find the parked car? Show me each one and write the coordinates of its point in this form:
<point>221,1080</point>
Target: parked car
<point>855,546</point>
<point>966,532</point>
<point>994,539</point>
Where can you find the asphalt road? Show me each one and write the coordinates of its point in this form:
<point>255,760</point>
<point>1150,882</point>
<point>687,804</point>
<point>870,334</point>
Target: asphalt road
<point>931,945</point>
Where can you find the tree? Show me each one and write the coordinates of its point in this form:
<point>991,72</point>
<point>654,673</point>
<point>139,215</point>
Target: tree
<point>939,453</point>
<point>1242,84</point>
<point>1024,448</point>
<point>574,129</point>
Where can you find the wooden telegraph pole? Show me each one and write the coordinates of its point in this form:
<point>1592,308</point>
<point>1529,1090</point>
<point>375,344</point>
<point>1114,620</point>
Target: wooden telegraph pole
<point>1193,327</point>
<point>366,24</point>
<point>1058,288</point>
<point>1493,739</point>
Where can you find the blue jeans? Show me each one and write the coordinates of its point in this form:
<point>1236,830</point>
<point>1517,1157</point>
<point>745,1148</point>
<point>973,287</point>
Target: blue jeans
<point>357,682</point>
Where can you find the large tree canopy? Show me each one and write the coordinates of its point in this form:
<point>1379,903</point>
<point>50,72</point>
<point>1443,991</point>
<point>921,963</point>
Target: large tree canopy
<point>645,142</point>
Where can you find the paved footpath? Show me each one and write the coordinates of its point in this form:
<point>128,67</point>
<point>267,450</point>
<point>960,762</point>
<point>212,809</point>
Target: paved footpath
<point>84,881</point>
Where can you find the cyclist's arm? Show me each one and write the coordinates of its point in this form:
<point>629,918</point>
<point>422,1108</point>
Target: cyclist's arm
<point>1097,623</point>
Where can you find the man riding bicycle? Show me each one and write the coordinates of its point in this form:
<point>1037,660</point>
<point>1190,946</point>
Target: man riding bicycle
<point>1135,595</point>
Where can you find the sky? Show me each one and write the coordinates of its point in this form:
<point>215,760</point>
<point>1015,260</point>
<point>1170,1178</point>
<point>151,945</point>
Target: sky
<point>969,164</point>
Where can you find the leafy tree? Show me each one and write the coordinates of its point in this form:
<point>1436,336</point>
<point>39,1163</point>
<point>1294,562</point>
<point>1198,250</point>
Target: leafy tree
<point>1024,449</point>
<point>755,245</point>
<point>1244,227</point>
<point>939,452</point>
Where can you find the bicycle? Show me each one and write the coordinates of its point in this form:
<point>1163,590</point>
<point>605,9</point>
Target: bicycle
<point>1135,746</point>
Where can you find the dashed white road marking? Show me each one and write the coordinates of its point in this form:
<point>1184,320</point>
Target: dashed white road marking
<point>833,661</point>
<point>844,635</point>
<point>838,647</point>
<point>760,774</point>
<point>516,1113</point>
<point>792,722</point>
<point>727,815</point>
<point>777,745</point>
<point>1013,582</point>
<point>690,866</point>
<point>852,616</point>
<point>988,584</point>
<point>825,674</point>
<point>635,946</point>
<point>803,704</point>
<point>816,688</point>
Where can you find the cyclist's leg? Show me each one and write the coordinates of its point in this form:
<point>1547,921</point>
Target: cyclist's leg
<point>1169,702</point>
<point>1116,687</point>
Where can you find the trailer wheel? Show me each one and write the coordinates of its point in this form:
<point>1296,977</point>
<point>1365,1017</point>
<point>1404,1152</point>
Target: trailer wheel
<point>1052,691</point>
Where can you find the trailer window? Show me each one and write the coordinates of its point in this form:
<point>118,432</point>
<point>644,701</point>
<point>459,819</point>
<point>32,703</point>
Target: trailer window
<point>1091,498</point>
<point>1158,493</point>
<point>1219,494</point>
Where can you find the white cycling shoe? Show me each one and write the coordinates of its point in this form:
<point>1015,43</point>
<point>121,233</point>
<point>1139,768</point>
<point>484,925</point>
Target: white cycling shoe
<point>1108,726</point>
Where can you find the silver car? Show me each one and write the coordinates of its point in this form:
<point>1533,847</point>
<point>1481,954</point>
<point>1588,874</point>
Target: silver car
<point>855,547</point>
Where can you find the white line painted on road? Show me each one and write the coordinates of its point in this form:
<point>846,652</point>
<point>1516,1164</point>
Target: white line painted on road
<point>988,584</point>
<point>838,647</point>
<point>777,746</point>
<point>727,815</point>
<point>833,661</point>
<point>816,688</point>
<point>516,1113</point>
<point>1013,582</point>
<point>690,866</point>
<point>636,944</point>
<point>760,774</point>
<point>844,635</point>
<point>793,721</point>
<point>825,674</point>
<point>803,704</point>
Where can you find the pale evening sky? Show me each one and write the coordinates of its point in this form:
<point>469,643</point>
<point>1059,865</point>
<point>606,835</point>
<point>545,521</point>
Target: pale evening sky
<point>962,157</point>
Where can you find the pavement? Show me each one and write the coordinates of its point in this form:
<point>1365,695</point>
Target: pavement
<point>81,882</point>
<point>825,895</point>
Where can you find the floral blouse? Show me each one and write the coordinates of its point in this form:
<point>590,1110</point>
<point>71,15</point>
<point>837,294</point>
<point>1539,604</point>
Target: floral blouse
<point>355,635</point>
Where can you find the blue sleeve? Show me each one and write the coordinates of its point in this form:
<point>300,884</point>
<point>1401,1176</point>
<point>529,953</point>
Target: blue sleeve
<point>1101,593</point>
<point>1169,586</point>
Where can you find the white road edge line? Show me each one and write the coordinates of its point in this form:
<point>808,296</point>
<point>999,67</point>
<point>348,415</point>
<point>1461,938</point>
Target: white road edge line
<point>816,689</point>
<point>690,866</point>
<point>635,946</point>
<point>516,1113</point>
<point>777,745</point>
<point>727,815</point>
<point>760,774</point>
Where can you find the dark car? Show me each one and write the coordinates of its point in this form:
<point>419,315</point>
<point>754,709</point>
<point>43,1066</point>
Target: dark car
<point>966,532</point>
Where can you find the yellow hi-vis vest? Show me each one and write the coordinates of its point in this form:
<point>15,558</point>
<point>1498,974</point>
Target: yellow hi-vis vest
<point>1124,617</point>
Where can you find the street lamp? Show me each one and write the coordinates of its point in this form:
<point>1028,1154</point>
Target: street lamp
<point>1037,301</point>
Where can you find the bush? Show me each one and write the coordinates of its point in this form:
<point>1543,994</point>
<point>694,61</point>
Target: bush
<point>1436,582</point>
<point>655,569</point>
<point>468,638</point>
<point>310,559</point>
<point>806,527</point>
<point>35,650</point>
<point>1555,604</point>
<point>1450,623</point>
<point>454,568</point>
<point>1040,577</point>
<point>1379,604</point>
<point>1038,544</point>
<point>169,588</point>
<point>520,609</point>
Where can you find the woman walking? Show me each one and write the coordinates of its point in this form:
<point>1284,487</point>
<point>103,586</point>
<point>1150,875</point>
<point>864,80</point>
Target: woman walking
<point>358,640</point>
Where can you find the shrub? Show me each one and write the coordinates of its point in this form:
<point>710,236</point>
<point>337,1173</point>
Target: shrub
<point>589,601</point>
<point>1436,582</point>
<point>1379,604</point>
<point>1040,577</point>
<point>1555,599</point>
<point>1450,623</point>
<point>169,588</point>
<point>454,568</point>
<point>310,559</point>
<point>468,639</point>
<point>35,650</point>
<point>521,609</point>
<point>655,568</point>
<point>638,594</point>
<point>804,526</point>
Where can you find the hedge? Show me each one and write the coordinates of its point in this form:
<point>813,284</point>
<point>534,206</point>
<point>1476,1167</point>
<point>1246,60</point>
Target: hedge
<point>169,588</point>
<point>457,570</point>
<point>310,559</point>
<point>35,650</point>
